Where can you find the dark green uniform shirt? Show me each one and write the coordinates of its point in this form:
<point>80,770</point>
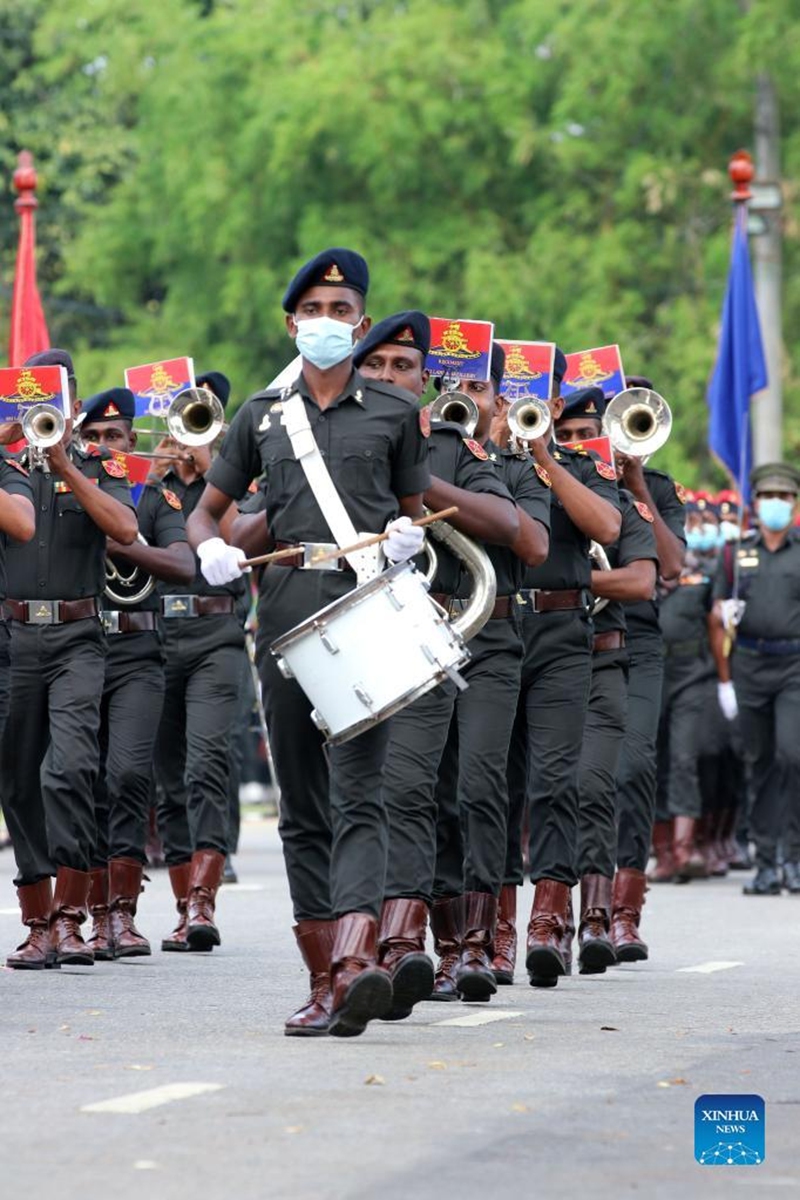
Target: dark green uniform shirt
<point>14,481</point>
<point>636,541</point>
<point>161,522</point>
<point>189,494</point>
<point>642,618</point>
<point>370,440</point>
<point>567,564</point>
<point>65,560</point>
<point>684,607</point>
<point>769,583</point>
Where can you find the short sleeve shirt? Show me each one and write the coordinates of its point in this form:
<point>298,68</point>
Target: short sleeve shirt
<point>161,523</point>
<point>668,497</point>
<point>188,495</point>
<point>636,541</point>
<point>14,482</point>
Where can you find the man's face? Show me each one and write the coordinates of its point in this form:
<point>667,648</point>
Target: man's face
<point>578,429</point>
<point>342,304</point>
<point>114,435</point>
<point>489,401</point>
<point>402,366</point>
<point>788,498</point>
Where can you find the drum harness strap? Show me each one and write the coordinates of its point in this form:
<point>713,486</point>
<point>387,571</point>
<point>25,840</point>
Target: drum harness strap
<point>366,563</point>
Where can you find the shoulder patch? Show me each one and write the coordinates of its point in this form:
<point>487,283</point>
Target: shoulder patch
<point>425,421</point>
<point>643,511</point>
<point>12,462</point>
<point>171,499</point>
<point>605,470</point>
<point>113,468</point>
<point>680,492</point>
<point>542,473</point>
<point>476,448</point>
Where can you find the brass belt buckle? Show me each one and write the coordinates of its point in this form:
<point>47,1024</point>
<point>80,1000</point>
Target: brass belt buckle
<point>179,606</point>
<point>43,612</point>
<point>310,552</point>
<point>110,619</point>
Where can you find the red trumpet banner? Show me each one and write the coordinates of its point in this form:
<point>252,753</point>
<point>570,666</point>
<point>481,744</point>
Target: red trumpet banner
<point>136,468</point>
<point>155,385</point>
<point>528,370</point>
<point>600,367</point>
<point>601,446</point>
<point>460,347</point>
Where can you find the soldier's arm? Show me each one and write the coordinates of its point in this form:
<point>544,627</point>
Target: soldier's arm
<point>174,563</point>
<point>480,515</point>
<point>595,516</point>
<point>17,517</point>
<point>631,583</point>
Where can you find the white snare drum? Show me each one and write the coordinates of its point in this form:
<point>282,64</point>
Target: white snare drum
<point>371,653</point>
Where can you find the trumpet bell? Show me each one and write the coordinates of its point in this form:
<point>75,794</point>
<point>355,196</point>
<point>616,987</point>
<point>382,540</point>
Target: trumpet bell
<point>638,422</point>
<point>195,417</point>
<point>43,425</point>
<point>458,408</point>
<point>528,418</point>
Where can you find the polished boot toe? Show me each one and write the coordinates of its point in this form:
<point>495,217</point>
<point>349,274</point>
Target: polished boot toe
<point>70,903</point>
<point>504,957</point>
<point>766,882</point>
<point>124,885</point>
<point>401,936</point>
<point>595,950</point>
<point>627,902</point>
<point>447,927</point>
<point>37,952</point>
<point>204,880</point>
<point>362,991</point>
<point>474,974</point>
<point>315,941</point>
<point>547,929</point>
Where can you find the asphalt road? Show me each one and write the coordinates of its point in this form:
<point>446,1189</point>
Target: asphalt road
<point>586,1090</point>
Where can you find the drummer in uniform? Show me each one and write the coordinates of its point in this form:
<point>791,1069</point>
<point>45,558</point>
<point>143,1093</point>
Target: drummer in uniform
<point>133,693</point>
<point>333,821</point>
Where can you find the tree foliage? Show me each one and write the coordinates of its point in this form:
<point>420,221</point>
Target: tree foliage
<point>556,166</point>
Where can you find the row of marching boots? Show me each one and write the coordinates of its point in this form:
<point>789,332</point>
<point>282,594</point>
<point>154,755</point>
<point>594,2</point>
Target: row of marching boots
<point>475,939</point>
<point>110,895</point>
<point>687,848</point>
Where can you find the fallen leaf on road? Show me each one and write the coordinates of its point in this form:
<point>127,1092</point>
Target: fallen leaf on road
<point>139,1067</point>
<point>84,1037</point>
<point>609,1028</point>
<point>293,1129</point>
<point>437,1066</point>
<point>94,1012</point>
<point>63,1028</point>
<point>678,1081</point>
<point>374,1079</point>
<point>520,1108</point>
<point>529,1037</point>
<point>498,1045</point>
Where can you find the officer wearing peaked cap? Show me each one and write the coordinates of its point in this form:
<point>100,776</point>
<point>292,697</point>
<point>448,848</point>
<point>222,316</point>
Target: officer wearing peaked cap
<point>761,679</point>
<point>333,821</point>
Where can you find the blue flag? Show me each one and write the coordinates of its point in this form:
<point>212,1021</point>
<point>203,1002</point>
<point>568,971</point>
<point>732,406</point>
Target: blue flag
<point>740,369</point>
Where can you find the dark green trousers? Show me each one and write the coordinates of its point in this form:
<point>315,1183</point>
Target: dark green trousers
<point>603,737</point>
<point>636,781</point>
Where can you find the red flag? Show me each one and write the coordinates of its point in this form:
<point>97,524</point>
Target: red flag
<point>28,327</point>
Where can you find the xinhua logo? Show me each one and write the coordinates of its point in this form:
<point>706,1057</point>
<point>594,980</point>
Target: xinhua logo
<point>729,1131</point>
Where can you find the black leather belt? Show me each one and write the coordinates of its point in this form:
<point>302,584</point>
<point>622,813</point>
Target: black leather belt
<point>779,647</point>
<point>50,612</point>
<point>180,607</point>
<point>115,621</point>
<point>504,606</point>
<point>539,600</point>
<point>611,639</point>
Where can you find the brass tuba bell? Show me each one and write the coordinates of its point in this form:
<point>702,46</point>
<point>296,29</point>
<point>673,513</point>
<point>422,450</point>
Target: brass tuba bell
<point>195,417</point>
<point>128,589</point>
<point>638,422</point>
<point>528,418</point>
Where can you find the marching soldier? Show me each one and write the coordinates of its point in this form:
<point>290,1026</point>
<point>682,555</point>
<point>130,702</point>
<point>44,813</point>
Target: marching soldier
<point>632,577</point>
<point>50,751</point>
<point>202,627</point>
<point>760,681</point>
<point>556,678</point>
<point>333,822</point>
<point>133,693</point>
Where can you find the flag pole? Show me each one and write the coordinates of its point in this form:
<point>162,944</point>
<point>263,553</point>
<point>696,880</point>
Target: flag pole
<point>741,172</point>
<point>28,333</point>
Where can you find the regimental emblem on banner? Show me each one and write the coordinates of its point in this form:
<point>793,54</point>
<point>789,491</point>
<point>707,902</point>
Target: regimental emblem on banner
<point>113,468</point>
<point>459,347</point>
<point>680,492</point>
<point>23,387</point>
<point>155,385</point>
<point>543,475</point>
<point>425,421</point>
<point>604,470</point>
<point>643,511</point>
<point>600,367</point>
<point>171,499</point>
<point>476,448</point>
<point>528,370</point>
<point>601,446</point>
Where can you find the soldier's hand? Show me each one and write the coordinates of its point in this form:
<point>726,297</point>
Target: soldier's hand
<point>499,431</point>
<point>632,471</point>
<point>58,458</point>
<point>726,695</point>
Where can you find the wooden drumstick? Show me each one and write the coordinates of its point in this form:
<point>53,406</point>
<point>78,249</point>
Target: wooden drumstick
<point>287,552</point>
<point>381,537</point>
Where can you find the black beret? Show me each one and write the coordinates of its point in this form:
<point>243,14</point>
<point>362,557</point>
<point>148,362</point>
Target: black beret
<point>775,477</point>
<point>410,328</point>
<point>218,383</point>
<point>559,365</point>
<point>116,404</point>
<point>498,364</point>
<point>632,381</point>
<point>52,358</point>
<point>332,268</point>
<point>585,402</point>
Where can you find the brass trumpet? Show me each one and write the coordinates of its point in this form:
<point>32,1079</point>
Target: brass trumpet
<point>43,426</point>
<point>457,408</point>
<point>194,418</point>
<point>528,418</point>
<point>638,422</point>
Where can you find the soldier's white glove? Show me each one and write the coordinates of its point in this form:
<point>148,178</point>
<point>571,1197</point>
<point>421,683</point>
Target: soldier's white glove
<point>731,612</point>
<point>404,540</point>
<point>727,701</point>
<point>219,562</point>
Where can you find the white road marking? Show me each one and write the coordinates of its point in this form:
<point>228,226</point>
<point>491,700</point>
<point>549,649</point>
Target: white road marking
<point>479,1018</point>
<point>708,968</point>
<point>242,887</point>
<point>138,1102</point>
<point>9,912</point>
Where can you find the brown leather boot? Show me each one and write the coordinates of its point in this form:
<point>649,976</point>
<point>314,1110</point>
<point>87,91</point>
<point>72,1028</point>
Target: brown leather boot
<point>68,914</point>
<point>546,931</point>
<point>99,941</point>
<point>401,952</point>
<point>595,951</point>
<point>504,959</point>
<point>204,881</point>
<point>664,869</point>
<point>474,974</point>
<point>179,878</point>
<point>447,927</point>
<point>37,951</point>
<point>627,900</point>
<point>125,884</point>
<point>315,942</point>
<point>362,991</point>
<point>712,847</point>
<point>689,862</point>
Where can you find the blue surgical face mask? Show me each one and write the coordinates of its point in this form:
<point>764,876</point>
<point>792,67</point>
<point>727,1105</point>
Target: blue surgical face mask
<point>325,341</point>
<point>774,513</point>
<point>729,531</point>
<point>703,539</point>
